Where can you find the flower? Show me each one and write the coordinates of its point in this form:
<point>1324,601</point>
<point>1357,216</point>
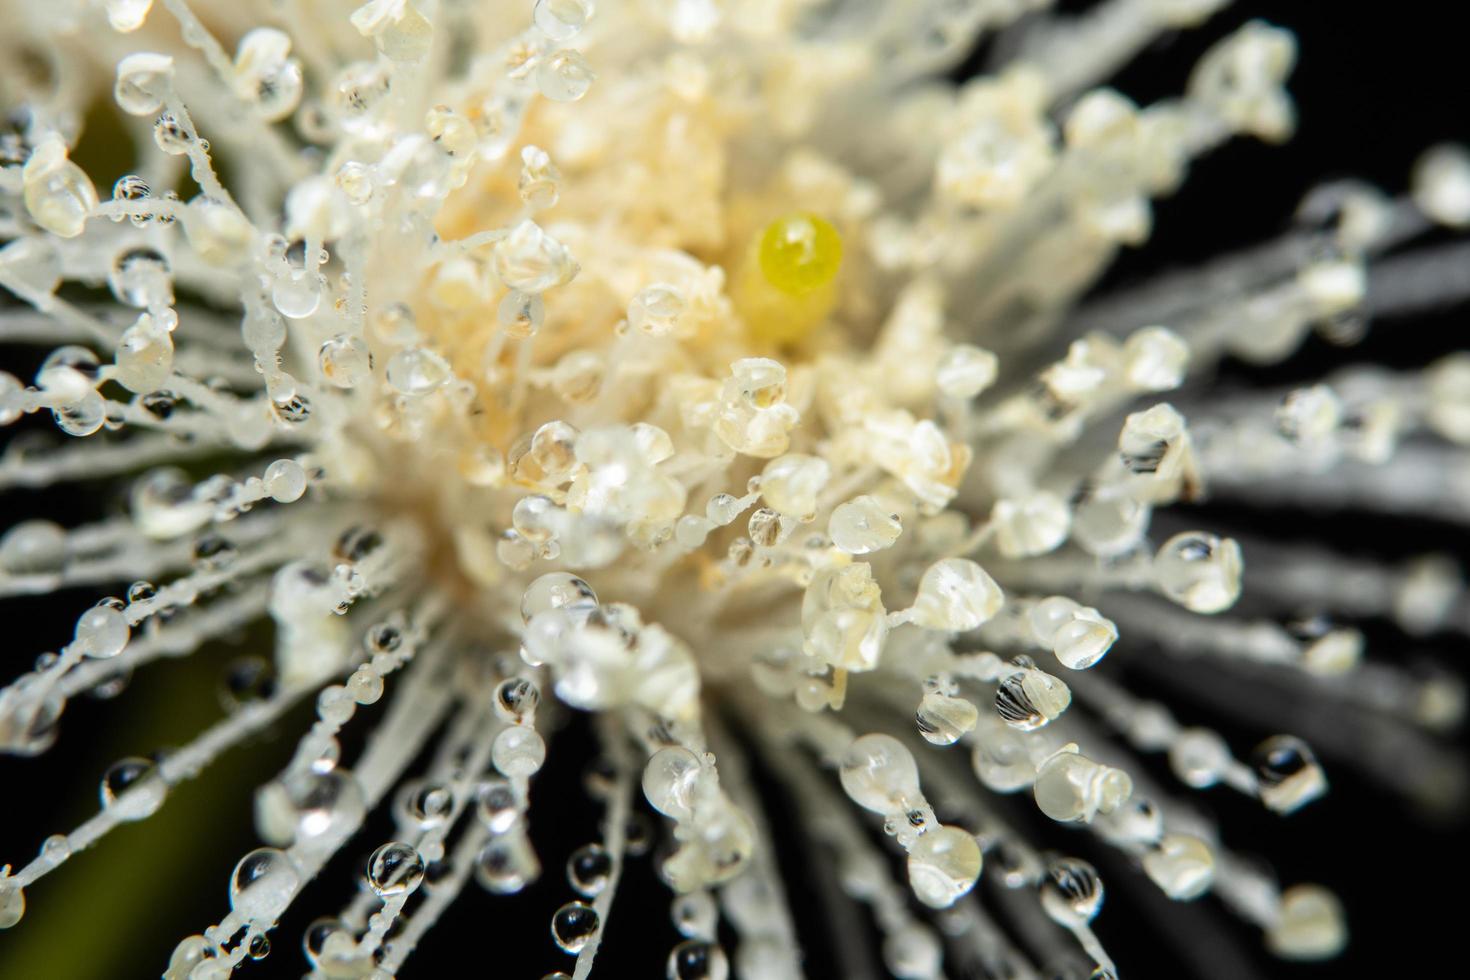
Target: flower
<point>719,373</point>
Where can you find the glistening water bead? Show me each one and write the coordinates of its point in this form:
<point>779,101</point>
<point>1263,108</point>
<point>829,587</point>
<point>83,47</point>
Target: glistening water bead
<point>573,925</point>
<point>395,869</point>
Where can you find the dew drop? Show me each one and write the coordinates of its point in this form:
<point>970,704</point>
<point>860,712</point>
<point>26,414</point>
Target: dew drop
<point>560,20</point>
<point>263,885</point>
<point>696,959</point>
<point>588,869</point>
<point>564,76</point>
<point>395,869</point>
<point>133,789</point>
<point>573,925</point>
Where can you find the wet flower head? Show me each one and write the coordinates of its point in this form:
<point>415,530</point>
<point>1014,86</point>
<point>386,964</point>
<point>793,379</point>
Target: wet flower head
<point>727,373</point>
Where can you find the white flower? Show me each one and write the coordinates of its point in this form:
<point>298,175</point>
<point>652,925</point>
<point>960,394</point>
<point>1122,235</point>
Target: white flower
<point>511,361</point>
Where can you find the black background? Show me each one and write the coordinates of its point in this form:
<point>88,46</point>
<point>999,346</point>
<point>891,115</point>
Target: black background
<point>1375,84</point>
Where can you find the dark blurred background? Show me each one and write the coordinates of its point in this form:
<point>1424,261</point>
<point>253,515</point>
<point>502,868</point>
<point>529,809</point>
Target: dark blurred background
<point>1375,84</point>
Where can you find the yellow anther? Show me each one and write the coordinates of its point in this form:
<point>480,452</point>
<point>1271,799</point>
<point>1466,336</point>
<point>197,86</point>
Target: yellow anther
<point>800,253</point>
<point>787,283</point>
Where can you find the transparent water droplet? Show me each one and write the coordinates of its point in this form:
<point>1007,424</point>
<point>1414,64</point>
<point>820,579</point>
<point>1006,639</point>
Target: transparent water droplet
<point>1030,699</point>
<point>956,595</point>
<point>102,632</point>
<point>315,941</point>
<point>943,866</point>
<point>564,76</point>
<point>82,417</point>
<point>670,780</point>
<point>313,810</point>
<point>259,947</point>
<point>557,590</point>
<point>247,681</point>
<point>416,371</point>
<point>170,136</point>
<point>521,314</point>
<point>695,915</point>
<point>879,773</point>
<point>1182,866</point>
<point>573,925</point>
<point>516,699</point>
<point>1200,571</point>
<point>506,865</point>
<point>697,959</point>
<point>943,720</point>
<point>430,805</point>
<point>345,361</point>
<point>588,869</point>
<point>560,20</point>
<point>518,752</point>
<point>1072,893</point>
<point>395,869</point>
<point>35,547</point>
<point>863,525</point>
<point>1287,774</point>
<point>285,481</point>
<point>133,789</point>
<point>263,884</point>
<point>297,293</point>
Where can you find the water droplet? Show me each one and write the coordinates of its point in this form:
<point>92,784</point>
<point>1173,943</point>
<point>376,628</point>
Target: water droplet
<point>521,314</point>
<point>1030,699</point>
<point>560,20</point>
<point>518,752</point>
<point>670,781</point>
<point>1199,571</point>
<point>943,720</point>
<point>879,773</point>
<point>213,552</point>
<point>170,135</point>
<point>1287,773</point>
<point>35,547</point>
<point>956,595</point>
<point>695,915</point>
<point>1182,866</point>
<point>697,959</point>
<point>415,371</point>
<point>943,866</point>
<point>395,869</point>
<point>506,865</point>
<point>863,525</point>
<point>311,809</point>
<point>297,293</point>
<point>345,362</point>
<point>102,632</point>
<point>263,884</point>
<point>259,947</point>
<point>564,76</point>
<point>133,789</point>
<point>516,699</point>
<point>248,680</point>
<point>573,925</point>
<point>588,869</point>
<point>430,805</point>
<point>1072,893</point>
